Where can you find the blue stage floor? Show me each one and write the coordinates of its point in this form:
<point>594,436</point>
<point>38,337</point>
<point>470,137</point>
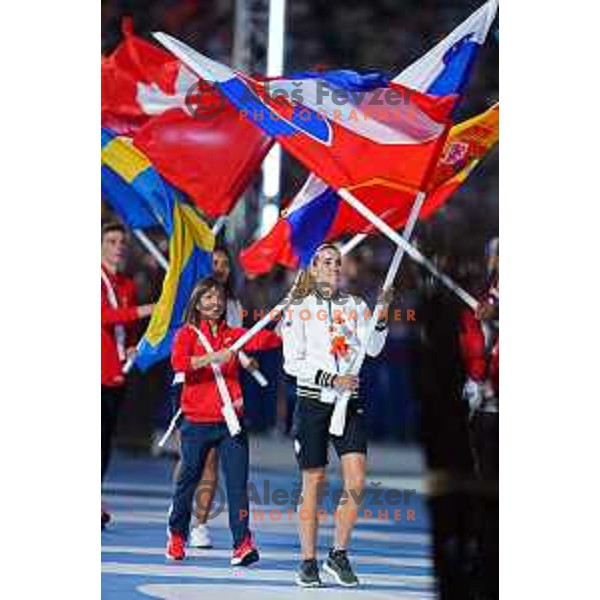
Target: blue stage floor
<point>392,558</point>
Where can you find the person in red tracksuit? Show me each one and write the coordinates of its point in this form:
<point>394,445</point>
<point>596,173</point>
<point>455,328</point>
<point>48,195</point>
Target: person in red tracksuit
<point>480,347</point>
<point>119,311</point>
<point>199,345</point>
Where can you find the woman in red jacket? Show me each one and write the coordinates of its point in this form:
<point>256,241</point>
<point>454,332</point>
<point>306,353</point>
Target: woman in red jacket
<point>212,406</point>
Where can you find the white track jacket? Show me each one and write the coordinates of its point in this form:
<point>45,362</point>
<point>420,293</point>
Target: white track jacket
<point>321,338</point>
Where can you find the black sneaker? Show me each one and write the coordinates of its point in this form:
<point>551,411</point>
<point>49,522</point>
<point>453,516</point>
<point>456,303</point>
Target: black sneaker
<point>308,574</point>
<point>339,567</point>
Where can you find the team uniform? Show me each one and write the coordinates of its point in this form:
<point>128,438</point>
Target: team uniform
<point>480,345</point>
<point>321,338</point>
<point>118,313</point>
<point>199,533</point>
<point>480,348</point>
<point>204,426</point>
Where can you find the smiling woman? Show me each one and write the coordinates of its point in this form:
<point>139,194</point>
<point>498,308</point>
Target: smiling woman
<point>320,355</point>
<point>212,408</point>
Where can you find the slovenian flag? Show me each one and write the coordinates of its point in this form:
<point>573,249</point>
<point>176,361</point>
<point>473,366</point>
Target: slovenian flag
<point>445,69</point>
<point>316,214</point>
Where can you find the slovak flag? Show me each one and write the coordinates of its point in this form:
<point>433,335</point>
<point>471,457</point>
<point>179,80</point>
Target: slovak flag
<point>346,136</point>
<point>191,134</point>
<point>316,214</point>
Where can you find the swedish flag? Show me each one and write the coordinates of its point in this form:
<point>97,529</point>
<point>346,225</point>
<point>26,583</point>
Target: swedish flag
<point>145,197</point>
<point>129,183</point>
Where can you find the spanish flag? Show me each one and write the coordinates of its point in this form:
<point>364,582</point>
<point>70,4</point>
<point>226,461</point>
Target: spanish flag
<point>467,143</point>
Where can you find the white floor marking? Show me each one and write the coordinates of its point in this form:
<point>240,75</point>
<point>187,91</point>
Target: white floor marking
<point>205,574</point>
<point>392,561</point>
<point>252,592</point>
<point>283,527</point>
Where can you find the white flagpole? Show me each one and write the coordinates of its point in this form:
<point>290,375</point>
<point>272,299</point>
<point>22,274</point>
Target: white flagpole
<point>395,237</point>
<point>170,429</point>
<point>338,418</point>
<point>219,224</point>
<point>273,313</point>
<point>244,358</point>
<point>351,244</point>
<point>408,248</point>
<point>151,248</point>
<point>162,261</point>
<point>427,264</point>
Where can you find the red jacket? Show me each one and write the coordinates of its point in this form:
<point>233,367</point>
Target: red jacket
<point>481,360</point>
<point>200,399</point>
<point>125,314</point>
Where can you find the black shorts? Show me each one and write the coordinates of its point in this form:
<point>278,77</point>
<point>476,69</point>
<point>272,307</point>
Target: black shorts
<point>311,432</point>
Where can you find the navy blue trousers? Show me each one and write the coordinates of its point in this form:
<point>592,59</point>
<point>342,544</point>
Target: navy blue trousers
<point>196,440</point>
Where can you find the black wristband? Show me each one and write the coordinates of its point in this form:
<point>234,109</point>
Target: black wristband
<point>381,325</point>
<point>324,379</point>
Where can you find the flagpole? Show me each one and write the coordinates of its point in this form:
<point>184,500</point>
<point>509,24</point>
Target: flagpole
<point>162,261</point>
<point>338,418</point>
<point>351,244</point>
<point>390,233</point>
<point>151,248</point>
<point>219,224</point>
<point>348,197</point>
<point>427,264</point>
<point>274,312</point>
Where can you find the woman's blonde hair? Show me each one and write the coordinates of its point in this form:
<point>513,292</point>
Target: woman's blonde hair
<point>306,283</point>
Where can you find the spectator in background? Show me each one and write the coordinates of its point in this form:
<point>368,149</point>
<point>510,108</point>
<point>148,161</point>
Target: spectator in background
<point>119,311</point>
<point>223,273</point>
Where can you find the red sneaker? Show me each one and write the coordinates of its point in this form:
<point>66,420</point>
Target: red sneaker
<point>175,547</point>
<point>246,553</point>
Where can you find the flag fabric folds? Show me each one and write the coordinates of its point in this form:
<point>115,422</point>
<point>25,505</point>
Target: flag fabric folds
<point>138,192</point>
<point>190,245</point>
<point>317,215</point>
<point>445,69</point>
<point>332,127</point>
<point>169,112</point>
<point>131,185</point>
<point>466,145</point>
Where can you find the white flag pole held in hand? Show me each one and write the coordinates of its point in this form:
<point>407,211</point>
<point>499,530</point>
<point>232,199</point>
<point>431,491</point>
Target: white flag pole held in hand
<point>338,418</point>
<point>245,360</point>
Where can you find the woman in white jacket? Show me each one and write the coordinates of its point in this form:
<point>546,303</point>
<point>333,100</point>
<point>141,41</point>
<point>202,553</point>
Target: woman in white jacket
<point>323,330</point>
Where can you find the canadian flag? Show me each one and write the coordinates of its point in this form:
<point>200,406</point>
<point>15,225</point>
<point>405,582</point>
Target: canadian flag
<point>187,129</point>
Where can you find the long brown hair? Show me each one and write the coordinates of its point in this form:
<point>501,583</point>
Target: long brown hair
<point>192,314</point>
<point>306,283</point>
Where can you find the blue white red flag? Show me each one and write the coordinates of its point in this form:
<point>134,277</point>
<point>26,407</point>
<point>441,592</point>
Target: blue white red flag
<point>316,214</point>
<point>344,135</point>
<point>445,69</point>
